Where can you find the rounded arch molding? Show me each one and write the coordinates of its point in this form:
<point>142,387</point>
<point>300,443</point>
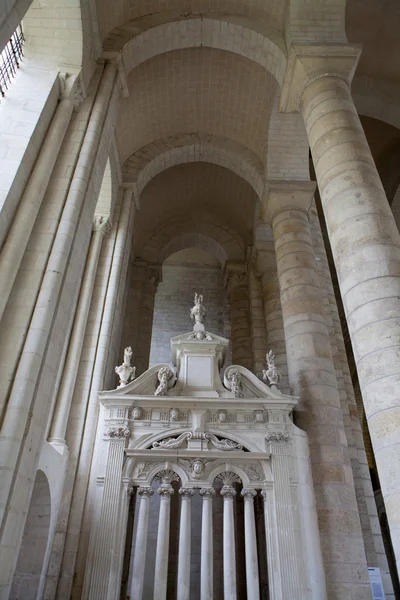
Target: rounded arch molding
<point>162,154</point>
<point>202,32</point>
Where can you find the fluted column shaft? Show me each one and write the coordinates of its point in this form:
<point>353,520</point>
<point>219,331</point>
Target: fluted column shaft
<point>139,559</point>
<point>366,248</point>
<point>250,544</point>
<point>183,592</point>
<point>161,571</point>
<point>206,577</point>
<point>229,544</point>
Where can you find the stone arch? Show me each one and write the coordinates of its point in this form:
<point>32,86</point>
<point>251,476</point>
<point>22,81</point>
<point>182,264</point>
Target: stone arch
<point>205,32</point>
<point>230,242</point>
<point>153,159</point>
<point>194,240</point>
<point>29,576</point>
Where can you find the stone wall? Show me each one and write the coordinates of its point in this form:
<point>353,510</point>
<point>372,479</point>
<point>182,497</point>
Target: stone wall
<point>173,301</point>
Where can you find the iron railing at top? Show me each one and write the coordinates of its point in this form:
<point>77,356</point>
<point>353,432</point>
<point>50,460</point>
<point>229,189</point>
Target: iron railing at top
<point>10,59</point>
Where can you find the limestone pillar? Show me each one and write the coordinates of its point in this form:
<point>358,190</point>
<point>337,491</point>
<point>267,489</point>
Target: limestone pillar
<point>266,266</point>
<point>206,565</point>
<point>365,244</point>
<point>312,377</point>
<point>28,403</point>
<point>161,570</point>
<point>65,394</point>
<point>257,319</point>
<point>237,287</point>
<point>183,592</point>
<point>139,557</point>
<point>271,538</point>
<point>229,551</point>
<point>250,544</point>
<point>18,237</point>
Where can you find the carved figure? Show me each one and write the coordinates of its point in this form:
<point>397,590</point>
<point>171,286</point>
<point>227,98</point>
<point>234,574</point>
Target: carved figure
<point>174,414</point>
<point>198,312</point>
<point>172,443</point>
<point>222,415</point>
<point>164,375</point>
<point>235,379</point>
<point>200,336</point>
<point>136,413</point>
<point>125,372</point>
<point>259,416</point>
<point>271,375</point>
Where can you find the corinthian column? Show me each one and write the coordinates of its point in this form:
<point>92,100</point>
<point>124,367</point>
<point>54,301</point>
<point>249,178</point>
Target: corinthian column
<point>206,577</point>
<point>250,544</point>
<point>312,377</point>
<point>229,543</point>
<point>139,559</point>
<point>161,572</point>
<point>365,244</point>
<point>184,544</point>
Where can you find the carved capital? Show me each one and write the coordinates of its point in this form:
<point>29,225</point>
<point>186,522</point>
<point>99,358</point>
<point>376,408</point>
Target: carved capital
<point>228,492</point>
<point>309,62</point>
<point>280,196</point>
<point>264,494</point>
<point>207,492</point>
<point>248,495</point>
<point>121,433</point>
<point>145,491</point>
<point>101,224</point>
<point>278,437</point>
<point>165,490</point>
<point>186,492</point>
<point>235,276</point>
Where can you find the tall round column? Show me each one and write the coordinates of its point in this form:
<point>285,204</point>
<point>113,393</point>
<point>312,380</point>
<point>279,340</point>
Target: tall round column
<point>250,544</point>
<point>237,286</point>
<point>312,376</point>
<point>229,544</point>
<point>161,571</point>
<point>139,559</point>
<point>366,248</point>
<point>206,577</point>
<point>183,592</point>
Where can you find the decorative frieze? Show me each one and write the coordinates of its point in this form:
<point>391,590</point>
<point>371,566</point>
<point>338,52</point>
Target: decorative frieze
<point>221,444</point>
<point>118,432</point>
<point>277,436</point>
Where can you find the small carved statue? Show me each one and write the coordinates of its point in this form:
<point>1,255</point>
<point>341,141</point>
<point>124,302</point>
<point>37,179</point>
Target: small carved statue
<point>235,379</point>
<point>125,372</point>
<point>164,375</point>
<point>271,375</point>
<point>198,312</point>
<point>174,414</point>
<point>198,466</point>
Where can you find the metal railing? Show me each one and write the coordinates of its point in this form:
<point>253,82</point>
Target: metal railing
<point>10,59</point>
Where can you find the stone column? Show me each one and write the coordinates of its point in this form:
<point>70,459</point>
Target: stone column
<point>257,319</point>
<point>271,538</point>
<point>65,394</point>
<point>312,377</point>
<point>20,231</point>
<point>183,592</point>
<point>250,543</point>
<point>237,287</point>
<point>139,559</point>
<point>229,494</point>
<point>104,531</point>
<point>365,244</point>
<point>161,570</point>
<point>206,577</point>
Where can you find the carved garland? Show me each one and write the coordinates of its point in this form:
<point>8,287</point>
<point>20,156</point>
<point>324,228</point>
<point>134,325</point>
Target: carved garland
<point>223,444</point>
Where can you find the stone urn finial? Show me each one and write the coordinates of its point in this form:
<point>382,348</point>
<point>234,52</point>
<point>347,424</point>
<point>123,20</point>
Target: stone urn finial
<point>271,375</point>
<point>198,312</point>
<point>125,372</point>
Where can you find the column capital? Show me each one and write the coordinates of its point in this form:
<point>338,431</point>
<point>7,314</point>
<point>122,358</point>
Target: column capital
<point>248,495</point>
<point>207,492</point>
<point>280,196</point>
<point>101,224</point>
<point>186,492</point>
<point>235,275</point>
<point>165,490</point>
<point>145,491</point>
<point>228,492</point>
<point>308,62</point>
